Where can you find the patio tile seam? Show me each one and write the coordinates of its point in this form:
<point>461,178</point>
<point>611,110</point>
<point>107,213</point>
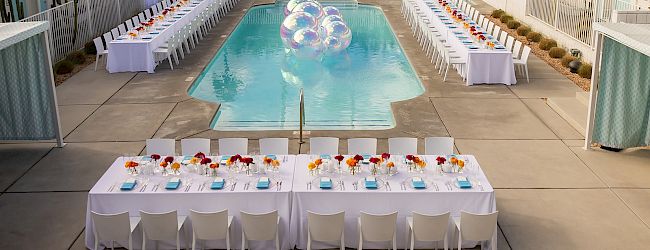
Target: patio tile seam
<point>27,170</point>
<point>79,236</point>
<point>504,235</point>
<point>161,124</point>
<point>84,120</point>
<point>630,208</point>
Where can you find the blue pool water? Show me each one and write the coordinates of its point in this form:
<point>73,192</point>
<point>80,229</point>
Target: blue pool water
<point>258,84</point>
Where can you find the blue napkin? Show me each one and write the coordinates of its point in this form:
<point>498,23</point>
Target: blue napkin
<point>325,183</point>
<point>218,183</point>
<point>272,157</point>
<point>146,38</point>
<point>263,183</point>
<point>325,157</point>
<point>473,47</point>
<point>467,42</point>
<point>452,26</point>
<point>128,184</point>
<point>371,182</point>
<point>154,33</point>
<point>489,37</point>
<point>462,37</point>
<point>447,22</point>
<point>499,47</point>
<point>146,158</point>
<point>160,28</point>
<point>418,183</point>
<point>224,159</point>
<point>463,182</point>
<point>366,159</point>
<point>166,24</point>
<point>173,183</point>
<point>458,32</point>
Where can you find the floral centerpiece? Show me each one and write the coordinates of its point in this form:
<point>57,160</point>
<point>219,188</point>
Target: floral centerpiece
<point>131,167</point>
<point>352,165</point>
<point>214,167</point>
<point>374,168</point>
<point>457,164</point>
<point>339,159</point>
<point>205,164</point>
<point>168,160</point>
<point>421,164</point>
<point>247,161</point>
<point>176,168</point>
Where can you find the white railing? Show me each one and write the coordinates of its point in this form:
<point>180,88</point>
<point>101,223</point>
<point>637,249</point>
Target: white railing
<point>575,17</point>
<point>94,17</point>
<point>337,3</point>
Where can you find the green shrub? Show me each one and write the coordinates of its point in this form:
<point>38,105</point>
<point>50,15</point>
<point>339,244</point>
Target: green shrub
<point>534,36</point>
<point>77,57</point>
<point>497,13</point>
<point>506,18</point>
<point>513,24</point>
<point>90,49</point>
<point>523,30</point>
<point>547,44</point>
<point>63,67</point>
<point>585,71</point>
<point>567,59</point>
<point>557,52</point>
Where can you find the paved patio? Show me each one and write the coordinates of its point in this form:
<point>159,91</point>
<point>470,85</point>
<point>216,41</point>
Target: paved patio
<point>551,194</point>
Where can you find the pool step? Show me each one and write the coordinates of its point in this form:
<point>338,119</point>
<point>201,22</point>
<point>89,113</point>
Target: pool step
<point>310,125</point>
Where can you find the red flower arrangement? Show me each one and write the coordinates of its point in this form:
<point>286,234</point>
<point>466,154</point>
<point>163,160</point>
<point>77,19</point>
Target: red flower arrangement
<point>235,158</point>
<point>200,155</point>
<point>410,157</point>
<point>139,28</point>
<point>358,158</point>
<point>339,158</point>
<point>164,12</point>
<point>374,160</point>
<point>246,160</point>
<point>214,166</point>
<point>205,161</point>
<point>441,160</point>
<point>385,156</point>
<point>169,159</point>
<point>155,157</point>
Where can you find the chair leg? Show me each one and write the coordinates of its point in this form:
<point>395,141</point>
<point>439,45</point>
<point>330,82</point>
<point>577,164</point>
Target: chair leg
<point>308,241</point>
<point>193,241</point>
<point>277,240</point>
<point>406,235</point>
<point>178,241</point>
<point>96,62</point>
<point>342,241</point>
<point>96,243</point>
<point>394,240</point>
<point>243,240</point>
<point>228,239</point>
<point>144,240</point>
<point>169,58</point>
<point>460,241</point>
<point>526,68</point>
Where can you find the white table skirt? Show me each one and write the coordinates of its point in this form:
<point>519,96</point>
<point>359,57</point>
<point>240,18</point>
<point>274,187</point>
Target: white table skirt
<point>383,201</point>
<point>251,200</point>
<point>483,65</point>
<point>137,55</point>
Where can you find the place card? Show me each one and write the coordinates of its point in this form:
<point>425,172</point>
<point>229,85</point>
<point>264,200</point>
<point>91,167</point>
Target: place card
<point>218,183</point>
<point>128,185</point>
<point>173,183</point>
<point>325,183</point>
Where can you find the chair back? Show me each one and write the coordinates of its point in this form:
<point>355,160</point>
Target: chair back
<point>525,54</point>
<point>147,14</point>
<point>502,38</point>
<point>480,20</point>
<point>430,227</point>
<point>210,226</point>
<point>194,145</point>
<point>324,146</point>
<point>362,146</point>
<point>260,226</point>
<point>378,227</point>
<point>439,145</point>
<point>490,26</point>
<point>136,21</point>
<point>477,227</point>
<point>274,146</point>
<point>325,227</point>
<point>496,31</point>
<point>115,32</point>
<point>509,42</point>
<point>402,145</point>
<point>108,38</point>
<point>122,29</point>
<point>141,16</point>
<point>516,50</point>
<point>111,226</point>
<point>159,226</point>
<point>99,46</point>
<point>163,147</point>
<point>129,25</point>
<point>485,22</point>
<point>233,146</point>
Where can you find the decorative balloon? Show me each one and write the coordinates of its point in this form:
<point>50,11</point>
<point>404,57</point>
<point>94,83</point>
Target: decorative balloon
<point>310,31</point>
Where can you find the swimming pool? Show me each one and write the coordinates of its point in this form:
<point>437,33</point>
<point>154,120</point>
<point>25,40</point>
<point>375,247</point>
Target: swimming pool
<point>258,86</point>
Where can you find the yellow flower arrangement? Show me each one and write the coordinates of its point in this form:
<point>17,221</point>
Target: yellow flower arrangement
<point>176,166</point>
<point>311,166</point>
<point>195,160</point>
<point>390,164</point>
<point>461,163</point>
<point>275,163</point>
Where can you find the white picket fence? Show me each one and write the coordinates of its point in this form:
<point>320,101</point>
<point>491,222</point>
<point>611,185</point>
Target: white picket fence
<point>575,17</point>
<point>94,18</point>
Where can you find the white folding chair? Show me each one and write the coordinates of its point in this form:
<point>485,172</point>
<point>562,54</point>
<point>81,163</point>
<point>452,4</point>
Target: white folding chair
<point>161,226</point>
<point>431,228</point>
<point>509,42</point>
<point>326,228</point>
<point>142,17</point>
<point>115,32</point>
<point>274,146</point>
<point>167,52</point>
<point>522,62</point>
<point>233,146</point>
<point>496,32</point>
<point>516,50</point>
<point>147,14</point>
<point>503,37</point>
<point>403,146</point>
<point>122,29</point>
<point>454,60</point>
<point>129,25</point>
<point>480,19</point>
<point>163,147</point>
<point>490,27</point>
<point>439,145</point>
<point>260,227</point>
<point>323,146</point>
<point>484,23</point>
<point>362,146</point>
<point>476,227</point>
<point>108,37</point>
<point>113,227</point>
<point>377,228</point>
<point>136,21</point>
<point>210,226</point>
<point>101,51</point>
<point>194,145</point>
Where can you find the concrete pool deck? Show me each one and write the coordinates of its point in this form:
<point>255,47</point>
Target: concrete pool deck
<point>551,194</point>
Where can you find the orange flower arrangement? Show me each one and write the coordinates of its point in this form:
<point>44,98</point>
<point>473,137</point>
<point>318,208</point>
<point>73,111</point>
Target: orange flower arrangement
<point>351,162</point>
<point>318,162</point>
<point>390,164</point>
<point>195,160</point>
<point>130,164</point>
<point>164,164</point>
<point>311,166</point>
<point>176,166</point>
<point>461,163</point>
<point>214,165</point>
<point>275,163</point>
<point>267,161</point>
<point>419,162</point>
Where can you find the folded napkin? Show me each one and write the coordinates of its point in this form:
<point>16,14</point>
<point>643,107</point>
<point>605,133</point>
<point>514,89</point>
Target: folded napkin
<point>467,42</point>
<point>418,183</point>
<point>325,157</point>
<point>263,183</point>
<point>462,37</point>
<point>325,183</point>
<point>224,159</point>
<point>146,38</point>
<point>458,32</point>
<point>129,184</point>
<point>173,183</point>
<point>473,47</point>
<point>154,33</point>
<point>452,26</point>
<point>371,182</point>
<point>463,182</point>
<point>366,159</point>
<point>272,157</point>
<point>166,24</point>
<point>160,28</point>
<point>217,183</point>
<point>499,47</point>
<point>447,22</point>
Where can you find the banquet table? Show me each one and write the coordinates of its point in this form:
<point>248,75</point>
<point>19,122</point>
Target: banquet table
<point>107,198</point>
<point>437,198</point>
<point>484,65</point>
<point>136,55</point>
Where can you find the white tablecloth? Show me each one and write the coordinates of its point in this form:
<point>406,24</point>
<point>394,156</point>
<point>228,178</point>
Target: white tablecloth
<point>483,65</point>
<point>135,55</point>
<point>383,201</point>
<point>252,200</point>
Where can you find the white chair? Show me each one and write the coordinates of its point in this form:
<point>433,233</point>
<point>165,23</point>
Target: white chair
<point>210,226</point>
<point>147,14</point>
<point>142,17</point>
<point>108,37</point>
<point>516,50</point>
<point>274,146</point>
<point>362,146</point>
<point>503,37</point>
<point>122,29</point>
<point>326,228</point>
<point>476,227</point>
<point>129,25</point>
<point>496,31</point>
<point>324,146</point>
<point>485,23</point>
<point>509,42</point>
<point>451,60</point>
<point>431,228</point>
<point>403,146</point>
<point>233,146</point>
<point>161,226</point>
<point>377,228</point>
<point>522,62</point>
<point>163,147</point>
<point>439,145</point>
<point>260,227</point>
<point>490,27</point>
<point>480,19</point>
<point>115,32</point>
<point>194,145</point>
<point>136,21</point>
<point>114,227</point>
<point>99,46</point>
